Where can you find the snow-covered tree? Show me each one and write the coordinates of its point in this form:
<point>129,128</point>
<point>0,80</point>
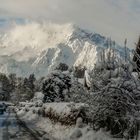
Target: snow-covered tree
<point>62,67</point>
<point>30,82</point>
<point>136,57</point>
<point>79,71</point>
<point>38,84</point>
<point>114,100</point>
<point>5,86</point>
<point>54,86</point>
<point>12,79</point>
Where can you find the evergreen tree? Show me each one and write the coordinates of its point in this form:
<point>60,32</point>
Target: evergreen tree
<point>5,86</point>
<point>54,86</point>
<point>19,89</point>
<point>31,81</point>
<point>12,81</point>
<point>79,71</point>
<point>28,87</point>
<point>62,67</point>
<point>38,84</point>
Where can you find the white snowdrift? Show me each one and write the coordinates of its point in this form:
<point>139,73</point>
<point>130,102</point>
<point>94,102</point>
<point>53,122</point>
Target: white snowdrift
<point>62,132</point>
<point>65,113</point>
<point>38,96</point>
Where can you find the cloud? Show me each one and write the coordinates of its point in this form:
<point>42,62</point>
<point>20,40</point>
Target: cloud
<point>119,19</point>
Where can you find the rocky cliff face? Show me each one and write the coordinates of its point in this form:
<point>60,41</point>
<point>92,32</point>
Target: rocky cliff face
<point>39,48</point>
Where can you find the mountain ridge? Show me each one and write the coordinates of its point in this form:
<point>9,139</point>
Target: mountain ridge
<point>39,48</point>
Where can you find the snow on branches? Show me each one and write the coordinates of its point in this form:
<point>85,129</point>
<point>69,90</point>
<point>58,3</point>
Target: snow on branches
<point>54,86</point>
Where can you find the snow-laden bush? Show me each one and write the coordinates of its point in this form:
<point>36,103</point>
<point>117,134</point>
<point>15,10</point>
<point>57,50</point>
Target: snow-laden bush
<point>65,113</point>
<point>77,93</point>
<point>115,109</point>
<point>36,110</point>
<point>38,96</point>
<point>60,86</point>
<point>21,112</point>
<point>25,104</point>
<point>114,101</point>
<point>26,109</point>
<point>55,85</point>
<point>76,134</point>
<point>38,103</point>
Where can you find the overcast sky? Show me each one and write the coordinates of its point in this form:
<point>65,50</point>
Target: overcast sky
<point>118,19</point>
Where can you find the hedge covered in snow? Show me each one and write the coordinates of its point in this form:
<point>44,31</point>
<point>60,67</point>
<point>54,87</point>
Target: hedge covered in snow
<point>66,113</point>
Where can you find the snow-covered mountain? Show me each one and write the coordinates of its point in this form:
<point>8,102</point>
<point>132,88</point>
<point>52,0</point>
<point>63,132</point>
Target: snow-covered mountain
<point>39,47</point>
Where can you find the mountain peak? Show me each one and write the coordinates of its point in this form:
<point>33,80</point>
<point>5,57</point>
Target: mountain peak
<point>40,47</point>
<point>36,35</point>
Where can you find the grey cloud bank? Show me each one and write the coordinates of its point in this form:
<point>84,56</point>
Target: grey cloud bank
<point>118,19</point>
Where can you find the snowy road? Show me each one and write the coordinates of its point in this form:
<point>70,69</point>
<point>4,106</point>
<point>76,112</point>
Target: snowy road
<point>11,130</point>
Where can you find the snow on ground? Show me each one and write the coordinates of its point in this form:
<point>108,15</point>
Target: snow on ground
<point>63,132</point>
<point>32,114</point>
<point>79,131</point>
<point>81,80</point>
<point>38,96</point>
<point>54,129</point>
<point>63,108</point>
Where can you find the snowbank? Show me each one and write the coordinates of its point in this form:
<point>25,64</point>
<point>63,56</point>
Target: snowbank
<point>80,131</point>
<point>38,96</point>
<point>66,113</point>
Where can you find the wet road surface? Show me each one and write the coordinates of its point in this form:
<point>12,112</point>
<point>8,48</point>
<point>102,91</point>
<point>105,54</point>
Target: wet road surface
<point>10,129</point>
